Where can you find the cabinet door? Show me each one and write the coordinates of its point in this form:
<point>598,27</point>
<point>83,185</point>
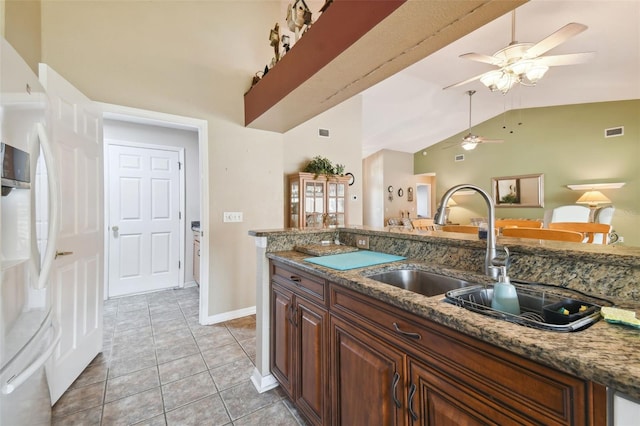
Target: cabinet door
<point>282,354</point>
<point>367,383</point>
<point>437,400</point>
<point>311,387</point>
<point>294,203</point>
<point>336,196</point>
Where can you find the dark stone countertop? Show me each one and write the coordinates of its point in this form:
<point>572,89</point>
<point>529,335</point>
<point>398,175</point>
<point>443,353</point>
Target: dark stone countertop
<point>603,353</point>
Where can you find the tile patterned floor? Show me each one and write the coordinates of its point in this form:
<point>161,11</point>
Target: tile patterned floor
<point>160,367</point>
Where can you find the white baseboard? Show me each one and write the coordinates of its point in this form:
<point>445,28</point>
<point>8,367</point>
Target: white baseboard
<point>263,383</point>
<point>190,284</point>
<point>227,316</point>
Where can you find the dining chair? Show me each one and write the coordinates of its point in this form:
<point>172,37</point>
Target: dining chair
<point>465,229</point>
<point>588,230</point>
<point>518,223</point>
<point>423,224</point>
<point>570,213</point>
<point>543,234</point>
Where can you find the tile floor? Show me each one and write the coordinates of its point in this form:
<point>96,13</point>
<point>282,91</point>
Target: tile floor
<point>160,367</point>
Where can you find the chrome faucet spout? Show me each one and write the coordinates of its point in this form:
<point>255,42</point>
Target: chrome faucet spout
<point>491,256</point>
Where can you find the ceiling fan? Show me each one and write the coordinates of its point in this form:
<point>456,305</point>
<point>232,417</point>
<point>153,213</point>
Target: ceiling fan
<point>524,63</point>
<point>470,141</point>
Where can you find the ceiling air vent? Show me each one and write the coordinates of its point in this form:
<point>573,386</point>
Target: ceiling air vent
<point>459,157</point>
<point>613,132</point>
<point>324,133</point>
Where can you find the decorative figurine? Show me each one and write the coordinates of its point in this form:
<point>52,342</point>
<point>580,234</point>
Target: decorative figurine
<point>286,44</point>
<point>274,38</point>
<point>298,15</point>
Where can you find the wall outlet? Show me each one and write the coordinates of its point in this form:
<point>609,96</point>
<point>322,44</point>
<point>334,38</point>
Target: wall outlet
<point>362,241</point>
<point>232,217</point>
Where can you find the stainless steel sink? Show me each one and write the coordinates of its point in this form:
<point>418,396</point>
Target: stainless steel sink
<point>418,281</point>
<point>540,306</point>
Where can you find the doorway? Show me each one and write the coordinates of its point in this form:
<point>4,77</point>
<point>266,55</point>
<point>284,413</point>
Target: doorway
<point>423,199</point>
<point>131,126</point>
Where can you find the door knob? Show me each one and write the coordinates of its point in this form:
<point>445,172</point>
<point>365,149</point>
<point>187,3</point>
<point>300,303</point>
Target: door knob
<point>115,230</point>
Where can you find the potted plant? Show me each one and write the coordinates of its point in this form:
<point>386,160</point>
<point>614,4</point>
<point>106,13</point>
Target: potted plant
<point>323,166</point>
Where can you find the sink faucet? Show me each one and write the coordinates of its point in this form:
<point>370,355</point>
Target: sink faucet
<point>491,259</point>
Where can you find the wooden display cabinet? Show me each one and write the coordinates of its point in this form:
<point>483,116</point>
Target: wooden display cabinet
<point>317,201</point>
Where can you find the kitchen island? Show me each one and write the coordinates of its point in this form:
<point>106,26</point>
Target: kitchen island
<point>604,354</point>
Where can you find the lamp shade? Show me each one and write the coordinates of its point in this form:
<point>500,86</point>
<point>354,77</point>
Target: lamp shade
<point>593,198</point>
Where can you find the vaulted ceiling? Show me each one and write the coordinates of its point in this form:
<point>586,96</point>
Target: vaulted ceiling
<point>410,110</point>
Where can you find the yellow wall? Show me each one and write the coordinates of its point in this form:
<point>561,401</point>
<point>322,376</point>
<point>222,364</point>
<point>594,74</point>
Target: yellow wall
<point>565,143</point>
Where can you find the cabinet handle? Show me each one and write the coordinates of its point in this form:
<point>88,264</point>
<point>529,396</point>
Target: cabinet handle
<point>412,393</point>
<point>294,315</point>
<point>295,278</point>
<point>396,379</point>
<point>406,333</point>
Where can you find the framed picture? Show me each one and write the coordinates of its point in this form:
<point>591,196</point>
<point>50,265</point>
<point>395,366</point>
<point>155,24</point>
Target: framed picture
<point>518,191</point>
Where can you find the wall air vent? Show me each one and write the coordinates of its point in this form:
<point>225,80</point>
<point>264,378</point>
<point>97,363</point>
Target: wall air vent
<point>459,157</point>
<point>324,133</point>
<point>613,132</point>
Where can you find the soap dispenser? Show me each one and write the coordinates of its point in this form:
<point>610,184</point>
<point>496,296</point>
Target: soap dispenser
<point>505,297</point>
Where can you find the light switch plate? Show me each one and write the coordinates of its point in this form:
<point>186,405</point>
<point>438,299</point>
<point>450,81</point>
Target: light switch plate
<point>232,217</point>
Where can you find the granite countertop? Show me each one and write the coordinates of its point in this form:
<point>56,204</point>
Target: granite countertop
<point>603,353</point>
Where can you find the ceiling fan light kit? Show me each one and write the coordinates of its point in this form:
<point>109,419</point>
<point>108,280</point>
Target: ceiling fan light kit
<point>470,141</point>
<point>525,71</point>
<point>524,63</point>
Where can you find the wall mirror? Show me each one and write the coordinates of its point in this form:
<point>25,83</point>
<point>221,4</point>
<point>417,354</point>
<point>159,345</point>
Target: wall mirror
<point>518,191</point>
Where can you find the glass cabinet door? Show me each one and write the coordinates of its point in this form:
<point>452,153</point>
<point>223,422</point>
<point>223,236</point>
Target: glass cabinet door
<point>294,202</point>
<point>336,196</point>
<point>314,203</point>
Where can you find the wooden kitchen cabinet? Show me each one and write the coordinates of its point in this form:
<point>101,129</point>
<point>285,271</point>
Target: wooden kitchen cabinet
<point>299,342</point>
<point>317,201</point>
<point>391,367</point>
<point>367,383</point>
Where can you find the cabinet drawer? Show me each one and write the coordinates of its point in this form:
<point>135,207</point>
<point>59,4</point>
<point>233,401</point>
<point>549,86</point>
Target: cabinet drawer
<point>299,282</point>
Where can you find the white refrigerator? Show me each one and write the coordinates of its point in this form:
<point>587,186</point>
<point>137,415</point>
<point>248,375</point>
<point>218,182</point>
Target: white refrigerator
<point>28,209</point>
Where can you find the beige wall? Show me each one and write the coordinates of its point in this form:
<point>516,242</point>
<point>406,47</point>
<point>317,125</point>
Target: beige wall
<point>195,59</point>
<point>343,146</point>
<point>390,168</point>
<point>566,144</point>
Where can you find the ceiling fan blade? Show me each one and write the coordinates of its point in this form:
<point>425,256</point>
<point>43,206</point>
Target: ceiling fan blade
<point>479,57</point>
<point>452,145</point>
<point>462,83</point>
<point>555,39</point>
<point>569,59</point>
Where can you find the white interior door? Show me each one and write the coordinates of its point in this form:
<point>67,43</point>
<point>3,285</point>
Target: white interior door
<point>75,132</point>
<point>144,216</point>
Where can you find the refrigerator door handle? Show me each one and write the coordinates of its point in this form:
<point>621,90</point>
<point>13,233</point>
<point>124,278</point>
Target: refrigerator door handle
<point>15,381</point>
<point>54,207</point>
